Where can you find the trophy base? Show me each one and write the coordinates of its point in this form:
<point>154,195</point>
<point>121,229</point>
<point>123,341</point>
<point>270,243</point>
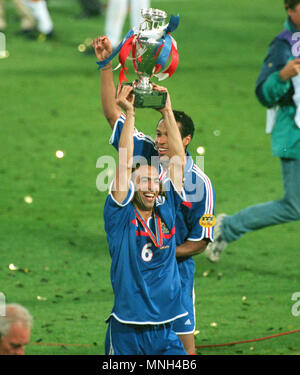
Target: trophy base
<point>153,99</point>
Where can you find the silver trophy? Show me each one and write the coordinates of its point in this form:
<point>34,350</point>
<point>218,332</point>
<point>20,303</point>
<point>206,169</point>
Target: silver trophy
<point>148,38</point>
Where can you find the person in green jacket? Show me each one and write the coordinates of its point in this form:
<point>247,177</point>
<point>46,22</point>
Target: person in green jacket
<point>278,89</point>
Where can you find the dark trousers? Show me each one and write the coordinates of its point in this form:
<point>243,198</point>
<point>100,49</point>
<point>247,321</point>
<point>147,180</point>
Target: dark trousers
<point>91,7</point>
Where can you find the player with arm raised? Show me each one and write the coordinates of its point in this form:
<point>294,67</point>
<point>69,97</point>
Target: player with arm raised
<point>191,237</point>
<point>144,272</point>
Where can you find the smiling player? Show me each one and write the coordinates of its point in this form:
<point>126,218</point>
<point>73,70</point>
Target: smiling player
<point>144,272</point>
<point>191,237</point>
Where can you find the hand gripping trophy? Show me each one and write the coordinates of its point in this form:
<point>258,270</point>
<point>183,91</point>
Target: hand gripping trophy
<point>154,53</point>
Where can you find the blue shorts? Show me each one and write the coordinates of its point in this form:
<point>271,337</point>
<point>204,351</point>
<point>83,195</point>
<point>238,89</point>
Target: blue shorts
<point>186,324</point>
<point>133,339</point>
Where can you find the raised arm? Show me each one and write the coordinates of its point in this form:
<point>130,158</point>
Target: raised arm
<point>125,100</point>
<point>176,149</point>
<point>111,109</point>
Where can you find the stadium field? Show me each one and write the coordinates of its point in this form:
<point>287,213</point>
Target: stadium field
<point>54,257</point>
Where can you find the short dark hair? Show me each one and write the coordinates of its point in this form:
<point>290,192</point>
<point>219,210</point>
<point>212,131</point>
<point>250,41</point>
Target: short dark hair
<point>139,161</point>
<point>187,126</point>
<point>291,4</point>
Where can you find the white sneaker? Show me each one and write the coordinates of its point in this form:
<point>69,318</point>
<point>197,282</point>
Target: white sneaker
<point>214,249</point>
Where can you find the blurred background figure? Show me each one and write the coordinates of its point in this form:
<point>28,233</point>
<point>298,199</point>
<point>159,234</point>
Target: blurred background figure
<point>116,15</point>
<point>27,20</point>
<point>276,89</point>
<point>15,329</point>
<point>2,17</point>
<point>41,13</point>
<point>90,8</point>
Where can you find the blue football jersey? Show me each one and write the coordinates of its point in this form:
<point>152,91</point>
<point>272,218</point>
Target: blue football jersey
<point>200,195</point>
<point>200,200</point>
<point>144,277</point>
<point>143,144</point>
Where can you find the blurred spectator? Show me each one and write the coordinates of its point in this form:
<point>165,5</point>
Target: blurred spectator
<point>278,89</point>
<point>116,15</point>
<point>15,329</point>
<point>27,19</point>
<point>41,13</point>
<point>2,16</point>
<point>115,18</point>
<point>90,8</point>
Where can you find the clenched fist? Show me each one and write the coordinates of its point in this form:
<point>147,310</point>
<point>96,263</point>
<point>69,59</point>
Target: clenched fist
<point>102,47</point>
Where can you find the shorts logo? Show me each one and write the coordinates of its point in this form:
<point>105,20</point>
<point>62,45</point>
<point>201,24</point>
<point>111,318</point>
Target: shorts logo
<point>188,323</point>
<point>207,221</point>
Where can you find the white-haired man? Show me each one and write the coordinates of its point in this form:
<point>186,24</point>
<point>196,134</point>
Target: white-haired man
<point>15,328</point>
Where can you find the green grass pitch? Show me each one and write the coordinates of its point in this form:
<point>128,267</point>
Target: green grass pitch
<point>50,101</point>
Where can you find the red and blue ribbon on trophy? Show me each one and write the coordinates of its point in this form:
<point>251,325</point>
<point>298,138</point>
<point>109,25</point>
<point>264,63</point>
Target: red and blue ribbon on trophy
<point>164,52</point>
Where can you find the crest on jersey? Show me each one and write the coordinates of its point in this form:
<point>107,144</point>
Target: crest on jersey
<point>164,228</point>
<point>207,221</point>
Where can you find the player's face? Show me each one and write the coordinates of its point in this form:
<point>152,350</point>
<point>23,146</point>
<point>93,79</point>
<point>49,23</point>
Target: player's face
<point>161,140</point>
<point>146,187</point>
<point>15,340</point>
<point>295,15</point>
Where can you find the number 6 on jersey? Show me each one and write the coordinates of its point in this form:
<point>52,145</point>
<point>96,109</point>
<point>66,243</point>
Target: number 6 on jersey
<point>147,253</point>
